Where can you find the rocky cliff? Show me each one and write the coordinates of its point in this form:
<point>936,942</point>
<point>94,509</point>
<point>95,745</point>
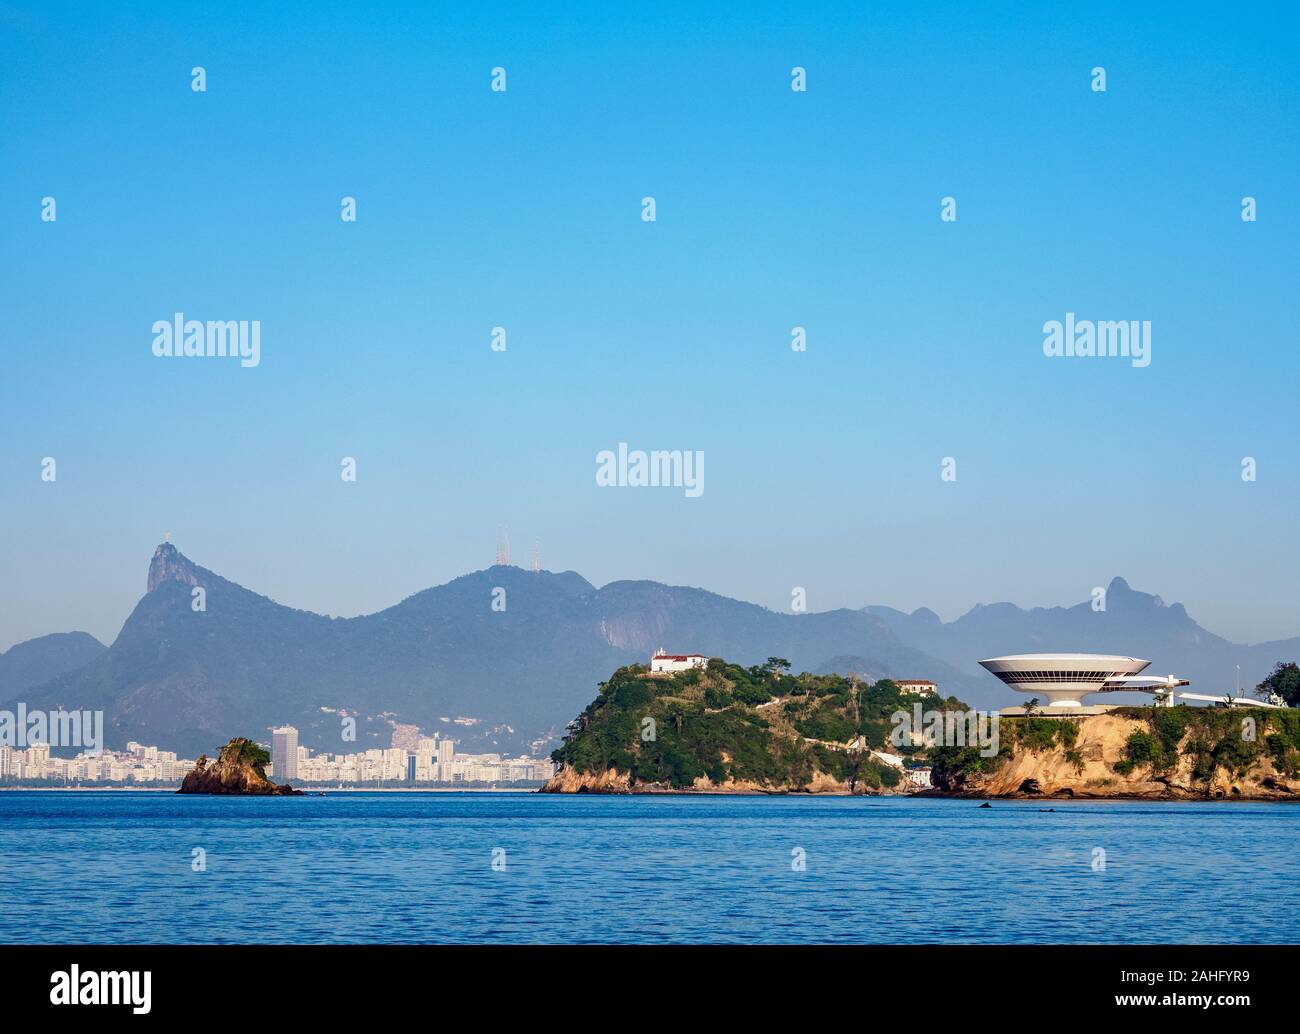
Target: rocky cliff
<point>569,780</point>
<point>1179,753</point>
<point>239,769</point>
<point>170,565</point>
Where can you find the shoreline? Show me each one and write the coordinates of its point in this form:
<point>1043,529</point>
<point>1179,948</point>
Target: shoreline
<point>841,795</point>
<point>942,796</point>
<point>314,791</point>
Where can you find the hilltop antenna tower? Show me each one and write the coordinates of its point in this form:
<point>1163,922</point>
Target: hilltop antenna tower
<point>536,564</point>
<point>503,549</point>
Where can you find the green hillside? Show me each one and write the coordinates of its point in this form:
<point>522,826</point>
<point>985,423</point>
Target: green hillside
<point>756,725</point>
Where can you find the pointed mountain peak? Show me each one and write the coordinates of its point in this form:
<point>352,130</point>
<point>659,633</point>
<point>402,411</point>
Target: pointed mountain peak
<point>169,564</point>
<point>1119,591</point>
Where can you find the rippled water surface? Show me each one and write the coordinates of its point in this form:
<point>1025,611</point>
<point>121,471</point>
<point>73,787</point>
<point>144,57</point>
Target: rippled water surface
<point>417,867</point>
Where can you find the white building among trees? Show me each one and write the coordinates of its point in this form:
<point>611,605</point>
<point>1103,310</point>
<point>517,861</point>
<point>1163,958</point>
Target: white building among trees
<point>664,661</point>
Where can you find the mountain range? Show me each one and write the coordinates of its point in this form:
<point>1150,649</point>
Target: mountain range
<point>189,670</point>
<point>1132,623</point>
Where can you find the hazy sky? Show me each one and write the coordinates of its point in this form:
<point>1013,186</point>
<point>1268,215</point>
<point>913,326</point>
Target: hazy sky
<point>775,209</point>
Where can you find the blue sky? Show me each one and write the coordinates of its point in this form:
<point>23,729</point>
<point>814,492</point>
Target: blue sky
<point>774,209</point>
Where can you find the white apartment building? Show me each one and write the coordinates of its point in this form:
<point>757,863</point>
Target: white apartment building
<point>394,765</point>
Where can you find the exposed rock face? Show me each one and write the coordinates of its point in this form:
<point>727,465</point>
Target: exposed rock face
<point>1100,745</point>
<point>238,770</point>
<point>170,565</point>
<point>821,783</point>
<point>570,780</point>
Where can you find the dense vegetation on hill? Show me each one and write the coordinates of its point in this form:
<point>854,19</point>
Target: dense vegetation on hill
<point>1215,738</point>
<point>757,725</point>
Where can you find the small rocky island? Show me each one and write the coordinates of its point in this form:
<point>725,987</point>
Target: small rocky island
<point>239,769</point>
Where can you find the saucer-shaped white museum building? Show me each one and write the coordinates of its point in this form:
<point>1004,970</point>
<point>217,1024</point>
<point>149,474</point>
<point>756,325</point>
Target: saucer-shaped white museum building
<point>1064,679</point>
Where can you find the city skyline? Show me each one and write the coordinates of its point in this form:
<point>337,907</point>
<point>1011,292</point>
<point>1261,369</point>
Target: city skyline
<point>432,759</point>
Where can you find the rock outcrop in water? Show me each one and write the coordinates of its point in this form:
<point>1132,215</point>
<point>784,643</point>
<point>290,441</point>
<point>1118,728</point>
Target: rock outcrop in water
<point>239,769</point>
<point>569,780</point>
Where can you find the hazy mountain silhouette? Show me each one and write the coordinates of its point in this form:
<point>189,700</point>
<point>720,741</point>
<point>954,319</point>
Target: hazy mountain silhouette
<point>190,679</point>
<point>39,660</point>
<point>1133,623</point>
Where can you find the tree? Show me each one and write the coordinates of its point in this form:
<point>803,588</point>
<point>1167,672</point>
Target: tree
<point>251,753</point>
<point>777,665</point>
<point>1284,680</point>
